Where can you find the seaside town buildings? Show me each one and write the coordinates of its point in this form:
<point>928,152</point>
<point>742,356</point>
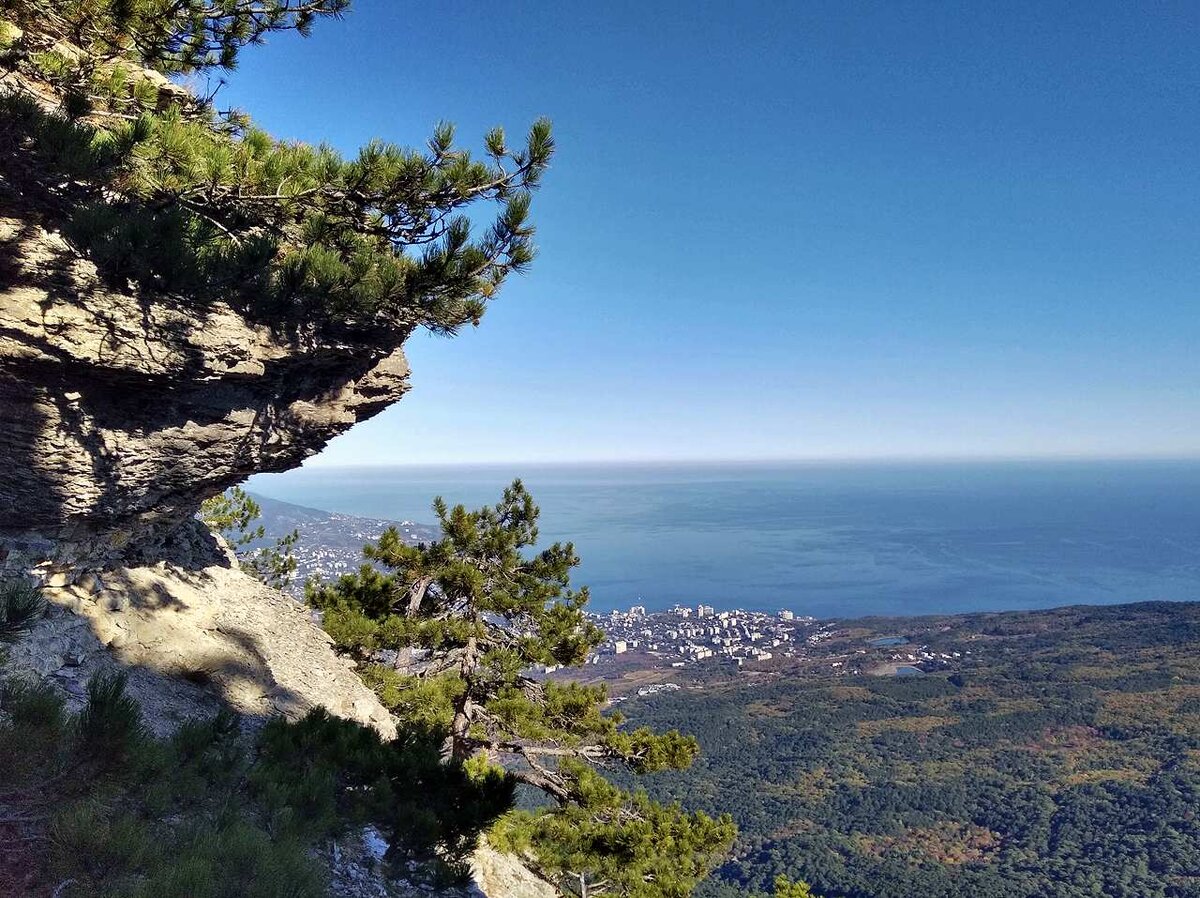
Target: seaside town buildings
<point>684,634</point>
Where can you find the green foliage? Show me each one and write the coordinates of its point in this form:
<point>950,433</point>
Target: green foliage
<point>120,853</point>
<point>208,812</point>
<point>618,842</point>
<point>425,701</point>
<point>444,805</point>
<point>21,605</point>
<point>234,860</point>
<point>173,196</point>
<point>110,725</point>
<point>31,704</point>
<point>32,739</point>
<point>97,843</point>
<point>323,769</point>
<point>176,36</point>
<point>174,817</point>
<point>787,888</point>
<point>1059,759</point>
<point>276,565</point>
<point>233,514</point>
<point>465,617</point>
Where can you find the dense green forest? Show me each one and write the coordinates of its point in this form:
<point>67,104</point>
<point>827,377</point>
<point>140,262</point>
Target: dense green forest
<point>1060,757</point>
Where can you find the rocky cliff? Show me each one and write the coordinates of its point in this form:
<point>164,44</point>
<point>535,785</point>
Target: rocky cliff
<point>120,413</point>
<point>123,407</point>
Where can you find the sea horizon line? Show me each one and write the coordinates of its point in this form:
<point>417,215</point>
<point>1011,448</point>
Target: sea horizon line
<point>801,461</point>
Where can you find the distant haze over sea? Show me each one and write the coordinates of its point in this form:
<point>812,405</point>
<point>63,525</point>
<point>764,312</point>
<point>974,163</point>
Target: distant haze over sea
<point>829,540</point>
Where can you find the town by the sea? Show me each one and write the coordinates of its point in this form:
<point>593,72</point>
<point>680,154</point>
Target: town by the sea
<point>821,540</point>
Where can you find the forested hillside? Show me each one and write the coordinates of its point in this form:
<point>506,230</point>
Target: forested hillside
<point>1064,760</point>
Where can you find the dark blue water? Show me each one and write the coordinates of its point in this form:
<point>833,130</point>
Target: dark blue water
<point>830,540</point>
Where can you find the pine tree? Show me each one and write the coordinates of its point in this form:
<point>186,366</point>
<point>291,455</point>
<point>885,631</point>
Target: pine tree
<point>174,36</point>
<point>466,617</point>
<point>789,888</point>
<point>613,842</point>
<point>158,187</point>
<point>233,515</point>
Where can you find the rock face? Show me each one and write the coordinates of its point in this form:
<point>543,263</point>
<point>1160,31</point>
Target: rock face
<point>192,641</point>
<point>120,414</point>
<point>358,869</point>
<point>504,876</point>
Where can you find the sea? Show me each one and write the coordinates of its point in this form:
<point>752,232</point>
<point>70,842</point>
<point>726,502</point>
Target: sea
<point>827,540</point>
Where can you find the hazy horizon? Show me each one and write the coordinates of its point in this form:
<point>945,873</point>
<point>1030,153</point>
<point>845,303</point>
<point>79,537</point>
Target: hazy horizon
<point>832,539</point>
<point>322,461</point>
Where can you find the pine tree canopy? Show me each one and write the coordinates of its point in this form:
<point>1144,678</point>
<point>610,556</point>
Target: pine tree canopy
<point>618,843</point>
<point>173,36</point>
<point>166,193</point>
<point>466,618</point>
<point>232,514</point>
<point>787,888</point>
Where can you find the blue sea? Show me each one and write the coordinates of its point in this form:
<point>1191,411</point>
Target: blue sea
<point>830,540</point>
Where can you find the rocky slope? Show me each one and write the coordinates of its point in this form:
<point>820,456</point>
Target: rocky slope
<point>192,640</point>
<point>196,636</point>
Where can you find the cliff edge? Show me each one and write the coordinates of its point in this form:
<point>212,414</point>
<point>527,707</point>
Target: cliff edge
<point>120,413</point>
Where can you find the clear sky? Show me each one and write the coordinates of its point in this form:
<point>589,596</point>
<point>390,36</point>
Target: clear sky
<point>796,229</point>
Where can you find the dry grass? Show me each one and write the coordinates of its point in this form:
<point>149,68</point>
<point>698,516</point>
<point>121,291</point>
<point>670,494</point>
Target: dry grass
<point>944,843</point>
<point>870,728</point>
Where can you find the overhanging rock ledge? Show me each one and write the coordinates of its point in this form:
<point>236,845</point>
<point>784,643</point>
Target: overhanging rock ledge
<point>120,413</point>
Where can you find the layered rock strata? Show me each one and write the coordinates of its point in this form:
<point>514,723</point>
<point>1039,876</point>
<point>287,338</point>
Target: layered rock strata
<point>121,413</point>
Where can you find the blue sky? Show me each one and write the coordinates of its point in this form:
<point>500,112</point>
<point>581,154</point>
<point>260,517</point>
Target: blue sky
<point>796,230</point>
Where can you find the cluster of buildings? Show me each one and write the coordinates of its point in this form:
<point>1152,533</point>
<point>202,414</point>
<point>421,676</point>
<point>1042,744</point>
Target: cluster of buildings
<point>929,660</point>
<point>643,691</point>
<point>685,634</point>
<point>324,562</point>
<point>330,544</point>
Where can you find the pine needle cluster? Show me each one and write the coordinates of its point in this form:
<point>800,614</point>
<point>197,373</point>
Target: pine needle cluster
<point>21,604</point>
<point>166,193</point>
<point>618,843</point>
<point>465,619</point>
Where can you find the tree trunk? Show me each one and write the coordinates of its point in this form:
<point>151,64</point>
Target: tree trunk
<point>458,744</point>
<point>417,596</point>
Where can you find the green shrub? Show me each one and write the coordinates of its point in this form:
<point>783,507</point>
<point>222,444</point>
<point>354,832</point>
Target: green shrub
<point>21,604</point>
<point>32,740</point>
<point>213,813</point>
<point>35,705</point>
<point>89,842</point>
<point>238,860</point>
<point>323,771</point>
<point>110,725</point>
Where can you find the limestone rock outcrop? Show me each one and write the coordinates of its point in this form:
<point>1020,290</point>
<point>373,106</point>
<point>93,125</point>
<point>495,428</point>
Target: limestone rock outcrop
<point>120,413</point>
<point>499,875</point>
<point>192,641</point>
